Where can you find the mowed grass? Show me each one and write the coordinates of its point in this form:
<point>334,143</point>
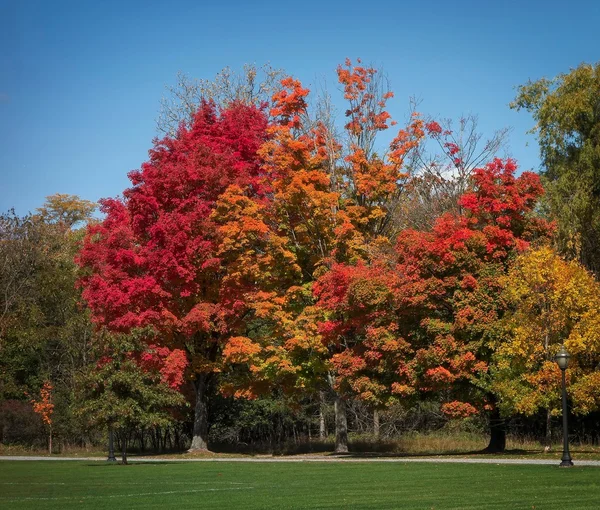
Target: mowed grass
<point>246,486</point>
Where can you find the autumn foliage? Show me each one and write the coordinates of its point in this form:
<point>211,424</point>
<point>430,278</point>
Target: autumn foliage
<point>155,259</point>
<point>43,406</point>
<point>265,249</point>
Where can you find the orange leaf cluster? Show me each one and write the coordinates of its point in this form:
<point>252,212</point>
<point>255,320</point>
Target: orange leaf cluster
<point>44,406</point>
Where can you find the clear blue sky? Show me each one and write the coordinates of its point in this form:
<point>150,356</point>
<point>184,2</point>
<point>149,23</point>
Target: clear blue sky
<point>81,80</point>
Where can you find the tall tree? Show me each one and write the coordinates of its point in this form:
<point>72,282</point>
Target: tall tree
<point>154,260</point>
<point>450,286</point>
<point>566,110</point>
<point>330,204</point>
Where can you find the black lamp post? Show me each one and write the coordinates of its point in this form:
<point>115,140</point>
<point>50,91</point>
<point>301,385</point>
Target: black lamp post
<point>562,360</point>
<point>111,446</point>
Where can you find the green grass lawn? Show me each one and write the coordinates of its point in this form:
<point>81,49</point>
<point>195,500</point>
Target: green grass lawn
<point>246,486</point>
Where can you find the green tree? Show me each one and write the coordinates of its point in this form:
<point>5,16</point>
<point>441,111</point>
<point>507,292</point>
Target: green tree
<point>123,391</point>
<point>45,335</point>
<point>566,110</point>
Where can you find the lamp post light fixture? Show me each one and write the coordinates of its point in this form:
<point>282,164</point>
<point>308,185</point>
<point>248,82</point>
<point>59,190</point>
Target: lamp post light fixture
<point>562,360</point>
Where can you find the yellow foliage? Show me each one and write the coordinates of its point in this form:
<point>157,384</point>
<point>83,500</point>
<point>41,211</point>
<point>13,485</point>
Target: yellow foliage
<point>551,301</point>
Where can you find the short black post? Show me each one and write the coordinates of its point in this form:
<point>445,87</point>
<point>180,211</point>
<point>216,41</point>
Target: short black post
<point>562,360</point>
<point>111,446</point>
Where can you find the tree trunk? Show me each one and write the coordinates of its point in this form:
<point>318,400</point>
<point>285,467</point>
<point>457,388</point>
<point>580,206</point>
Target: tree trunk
<point>123,448</point>
<point>50,441</point>
<point>322,431</point>
<point>341,425</point>
<point>376,423</point>
<point>548,445</point>
<point>497,432</point>
<point>200,433</point>
<point>159,440</point>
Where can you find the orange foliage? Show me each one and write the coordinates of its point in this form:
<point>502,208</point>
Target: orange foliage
<point>44,406</point>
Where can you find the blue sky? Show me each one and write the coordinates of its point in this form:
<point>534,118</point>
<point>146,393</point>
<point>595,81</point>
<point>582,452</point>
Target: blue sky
<point>81,80</point>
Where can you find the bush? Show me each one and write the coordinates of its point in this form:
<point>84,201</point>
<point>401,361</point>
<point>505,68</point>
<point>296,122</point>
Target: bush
<point>20,425</point>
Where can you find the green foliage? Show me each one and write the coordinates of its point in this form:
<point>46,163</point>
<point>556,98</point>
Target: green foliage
<point>566,110</point>
<point>44,333</point>
<point>121,392</point>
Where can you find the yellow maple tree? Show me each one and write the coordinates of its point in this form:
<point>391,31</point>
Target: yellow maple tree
<point>551,302</point>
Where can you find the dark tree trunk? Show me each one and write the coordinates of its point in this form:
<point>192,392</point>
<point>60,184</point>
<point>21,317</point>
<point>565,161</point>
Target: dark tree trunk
<point>548,445</point>
<point>497,432</point>
<point>142,439</point>
<point>158,439</point>
<point>341,425</point>
<point>200,432</point>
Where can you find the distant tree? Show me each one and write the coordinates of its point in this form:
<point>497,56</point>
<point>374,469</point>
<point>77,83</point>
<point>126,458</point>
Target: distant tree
<point>21,258</point>
<point>566,110</point>
<point>66,210</point>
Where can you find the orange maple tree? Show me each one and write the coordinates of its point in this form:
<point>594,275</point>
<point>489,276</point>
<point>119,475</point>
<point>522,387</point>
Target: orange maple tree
<point>327,209</point>
<point>44,407</point>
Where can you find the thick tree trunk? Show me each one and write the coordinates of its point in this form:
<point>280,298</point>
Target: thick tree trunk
<point>322,430</point>
<point>341,425</point>
<point>497,432</point>
<point>376,423</point>
<point>200,432</point>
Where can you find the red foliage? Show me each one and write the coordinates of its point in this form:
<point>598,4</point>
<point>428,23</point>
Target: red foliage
<point>155,252</point>
<point>448,277</point>
<point>170,363</point>
<point>153,260</point>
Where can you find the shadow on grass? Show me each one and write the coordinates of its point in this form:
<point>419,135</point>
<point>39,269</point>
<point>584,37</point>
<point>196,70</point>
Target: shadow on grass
<point>358,449</point>
<point>451,453</point>
<point>132,462</point>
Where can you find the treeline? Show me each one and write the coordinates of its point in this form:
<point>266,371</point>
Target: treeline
<point>271,275</point>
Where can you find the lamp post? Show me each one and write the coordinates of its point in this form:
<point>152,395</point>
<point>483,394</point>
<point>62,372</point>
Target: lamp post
<point>111,446</point>
<point>562,360</point>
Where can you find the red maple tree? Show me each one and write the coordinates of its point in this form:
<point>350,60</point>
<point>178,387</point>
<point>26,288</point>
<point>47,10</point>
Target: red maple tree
<point>450,286</point>
<point>154,259</point>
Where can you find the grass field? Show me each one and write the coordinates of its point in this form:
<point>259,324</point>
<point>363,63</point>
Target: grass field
<point>246,486</point>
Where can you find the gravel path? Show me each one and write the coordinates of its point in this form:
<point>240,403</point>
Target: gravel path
<point>435,460</point>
